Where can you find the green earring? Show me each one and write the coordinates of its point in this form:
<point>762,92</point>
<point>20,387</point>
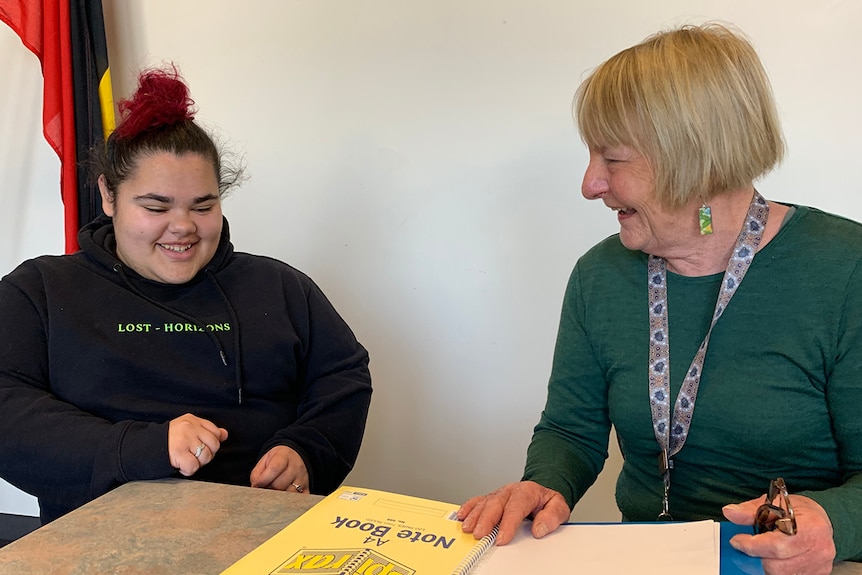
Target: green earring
<point>704,216</point>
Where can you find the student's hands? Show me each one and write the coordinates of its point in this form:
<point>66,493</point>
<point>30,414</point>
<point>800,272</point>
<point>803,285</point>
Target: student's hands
<point>281,468</point>
<point>193,442</point>
<point>509,506</point>
<point>810,551</point>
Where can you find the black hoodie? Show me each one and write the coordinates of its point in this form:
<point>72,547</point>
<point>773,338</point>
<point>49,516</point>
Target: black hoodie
<point>96,360</point>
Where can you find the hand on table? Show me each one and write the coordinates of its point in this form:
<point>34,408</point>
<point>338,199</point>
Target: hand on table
<point>281,468</point>
<point>810,552</point>
<point>509,506</point>
<point>193,442</point>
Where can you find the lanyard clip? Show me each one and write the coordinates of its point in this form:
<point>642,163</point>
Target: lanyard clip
<point>665,464</point>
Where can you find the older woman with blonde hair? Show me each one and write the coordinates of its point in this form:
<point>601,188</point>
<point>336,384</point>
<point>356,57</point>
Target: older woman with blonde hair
<point>760,302</point>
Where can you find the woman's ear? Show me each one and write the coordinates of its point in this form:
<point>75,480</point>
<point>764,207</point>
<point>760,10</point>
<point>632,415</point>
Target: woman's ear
<point>107,197</point>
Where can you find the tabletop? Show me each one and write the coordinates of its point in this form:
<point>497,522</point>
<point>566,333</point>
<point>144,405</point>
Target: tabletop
<point>167,526</point>
<point>156,527</point>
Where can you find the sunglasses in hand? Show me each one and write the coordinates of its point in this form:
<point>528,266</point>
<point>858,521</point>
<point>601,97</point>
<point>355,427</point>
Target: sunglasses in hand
<point>777,512</point>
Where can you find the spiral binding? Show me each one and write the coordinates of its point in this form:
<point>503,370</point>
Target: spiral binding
<point>354,563</point>
<point>476,553</point>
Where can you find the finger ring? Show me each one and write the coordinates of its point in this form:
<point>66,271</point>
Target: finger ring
<point>199,450</point>
<point>297,487</point>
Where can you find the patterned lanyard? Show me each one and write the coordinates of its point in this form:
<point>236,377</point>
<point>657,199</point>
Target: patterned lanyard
<point>671,435</point>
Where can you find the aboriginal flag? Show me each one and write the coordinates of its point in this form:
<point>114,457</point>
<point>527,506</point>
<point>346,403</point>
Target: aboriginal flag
<point>68,37</point>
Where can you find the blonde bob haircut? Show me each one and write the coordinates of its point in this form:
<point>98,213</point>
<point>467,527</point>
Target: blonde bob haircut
<point>695,102</point>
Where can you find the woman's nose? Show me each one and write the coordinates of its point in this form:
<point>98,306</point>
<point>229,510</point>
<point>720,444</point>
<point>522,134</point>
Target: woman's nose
<point>595,181</point>
<point>182,223</point>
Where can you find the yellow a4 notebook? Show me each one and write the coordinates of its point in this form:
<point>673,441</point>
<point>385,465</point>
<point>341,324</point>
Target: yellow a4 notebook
<point>357,531</point>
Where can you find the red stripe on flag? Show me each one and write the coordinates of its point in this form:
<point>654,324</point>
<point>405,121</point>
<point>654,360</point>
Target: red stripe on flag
<point>43,26</point>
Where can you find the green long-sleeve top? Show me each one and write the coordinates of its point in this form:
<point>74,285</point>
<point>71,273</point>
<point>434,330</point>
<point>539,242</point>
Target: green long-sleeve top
<point>780,393</point>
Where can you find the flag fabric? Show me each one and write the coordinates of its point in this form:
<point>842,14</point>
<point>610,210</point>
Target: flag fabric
<point>68,37</point>
<point>94,102</point>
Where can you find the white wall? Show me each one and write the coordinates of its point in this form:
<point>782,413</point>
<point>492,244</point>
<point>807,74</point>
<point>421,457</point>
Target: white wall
<point>31,217</point>
<point>419,161</point>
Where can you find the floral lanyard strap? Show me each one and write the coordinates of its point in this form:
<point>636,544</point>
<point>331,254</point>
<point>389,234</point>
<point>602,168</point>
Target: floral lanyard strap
<point>672,434</point>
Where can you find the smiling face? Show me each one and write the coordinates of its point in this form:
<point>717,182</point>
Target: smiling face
<point>622,178</point>
<point>167,216</point>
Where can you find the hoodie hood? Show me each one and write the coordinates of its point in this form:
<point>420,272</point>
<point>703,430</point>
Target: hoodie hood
<point>98,242</point>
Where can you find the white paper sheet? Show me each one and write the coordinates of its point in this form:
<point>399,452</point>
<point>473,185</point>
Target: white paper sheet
<point>690,548</point>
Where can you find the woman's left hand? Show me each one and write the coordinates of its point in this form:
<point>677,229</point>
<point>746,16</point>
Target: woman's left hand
<point>281,468</point>
<point>810,551</point>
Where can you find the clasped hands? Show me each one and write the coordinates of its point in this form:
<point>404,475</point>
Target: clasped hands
<point>811,551</point>
<point>193,442</point>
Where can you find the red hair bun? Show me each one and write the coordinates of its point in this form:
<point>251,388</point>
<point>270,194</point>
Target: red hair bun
<point>162,99</point>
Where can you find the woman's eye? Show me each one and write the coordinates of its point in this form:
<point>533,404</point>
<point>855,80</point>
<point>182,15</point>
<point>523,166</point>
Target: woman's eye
<point>204,210</point>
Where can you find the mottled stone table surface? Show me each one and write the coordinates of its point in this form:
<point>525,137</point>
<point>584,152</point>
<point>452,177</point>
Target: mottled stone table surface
<point>171,526</point>
<point>156,527</point>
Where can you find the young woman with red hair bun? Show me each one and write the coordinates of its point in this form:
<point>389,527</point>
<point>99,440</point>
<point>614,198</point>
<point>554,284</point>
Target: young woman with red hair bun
<point>158,350</point>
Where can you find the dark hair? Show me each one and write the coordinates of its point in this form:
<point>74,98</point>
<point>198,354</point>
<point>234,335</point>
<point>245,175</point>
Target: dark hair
<point>159,117</point>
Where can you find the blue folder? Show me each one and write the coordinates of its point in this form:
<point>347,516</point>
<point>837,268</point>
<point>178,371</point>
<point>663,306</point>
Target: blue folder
<point>735,562</point>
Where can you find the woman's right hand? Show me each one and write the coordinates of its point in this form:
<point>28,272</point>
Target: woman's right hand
<point>193,442</point>
<point>509,506</point>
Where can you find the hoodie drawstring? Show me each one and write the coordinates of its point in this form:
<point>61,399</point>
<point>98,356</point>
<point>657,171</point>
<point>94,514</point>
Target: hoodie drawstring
<point>120,269</point>
<point>236,340</point>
